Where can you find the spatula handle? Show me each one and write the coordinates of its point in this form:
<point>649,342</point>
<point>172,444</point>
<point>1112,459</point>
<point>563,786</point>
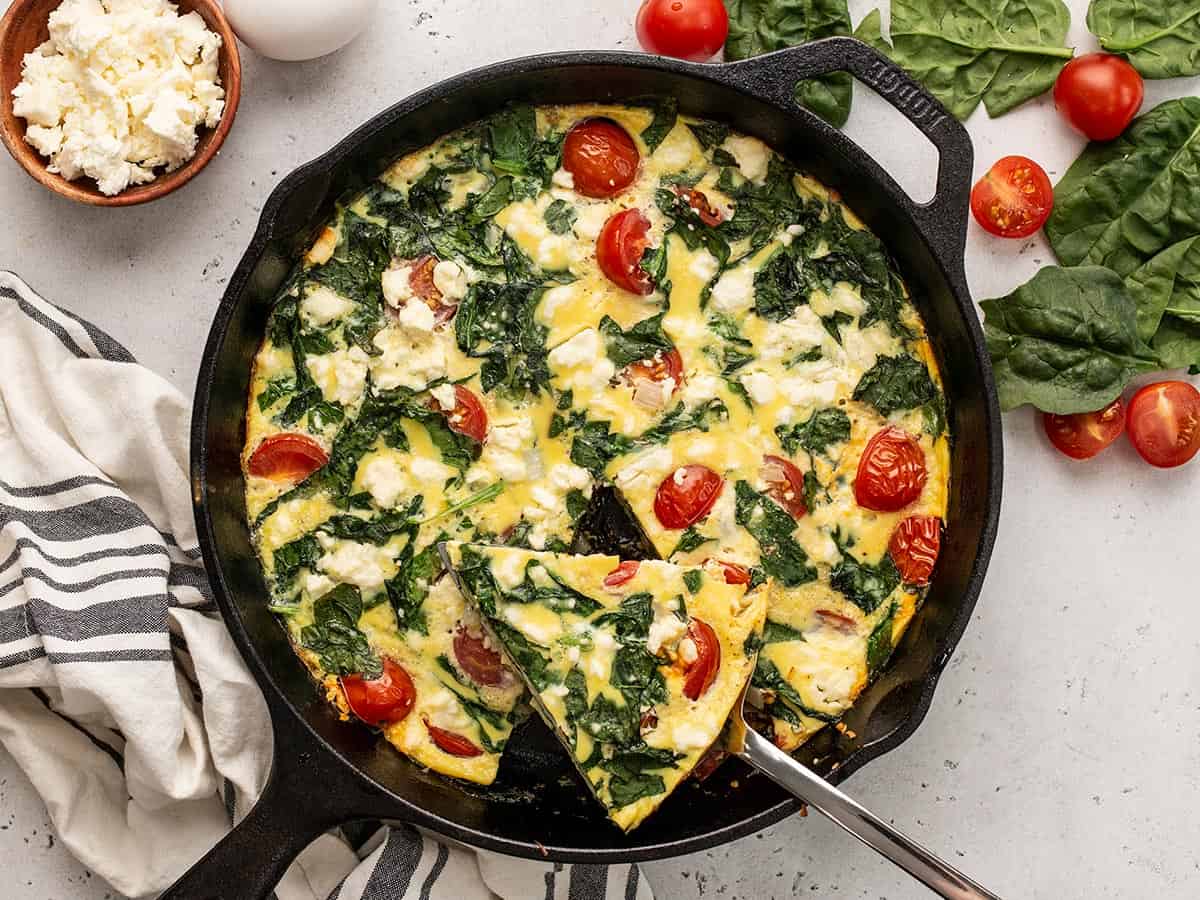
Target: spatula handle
<point>877,834</point>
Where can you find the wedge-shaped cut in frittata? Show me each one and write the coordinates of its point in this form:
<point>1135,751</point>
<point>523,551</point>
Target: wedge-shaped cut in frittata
<point>636,666</point>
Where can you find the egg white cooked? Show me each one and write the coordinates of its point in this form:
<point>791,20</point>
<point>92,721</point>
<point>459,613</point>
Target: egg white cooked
<point>748,380</point>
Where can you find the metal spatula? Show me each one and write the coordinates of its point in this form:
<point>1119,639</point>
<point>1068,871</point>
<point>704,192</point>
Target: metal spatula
<point>807,785</point>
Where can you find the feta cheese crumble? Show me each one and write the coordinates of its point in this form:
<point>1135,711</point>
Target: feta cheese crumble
<point>120,90</point>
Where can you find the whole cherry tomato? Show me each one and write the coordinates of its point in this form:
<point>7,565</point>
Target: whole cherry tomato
<point>891,472</point>
<point>686,29</point>
<point>1098,94</point>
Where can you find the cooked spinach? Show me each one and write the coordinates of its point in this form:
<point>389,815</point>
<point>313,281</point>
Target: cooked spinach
<point>632,619</point>
<point>782,557</point>
<point>335,638</point>
<point>709,134</point>
<point>879,644</point>
<point>631,773</point>
<point>689,227</point>
<point>1066,341</point>
<point>409,588</point>
<point>1000,53</point>
<point>778,633</point>
<point>494,199</point>
<point>666,113</point>
<point>760,26</point>
<point>496,323</point>
<point>816,433</point>
<point>560,216</point>
<point>896,383</point>
<point>767,677</point>
<point>778,287</point>
<point>762,210</point>
<point>1161,40</point>
<point>577,503</point>
<point>595,444</point>
<point>551,592</point>
<point>275,390</point>
<point>866,585</point>
<point>532,659</point>
<point>693,580</point>
<point>289,559</point>
<point>643,340</point>
<point>689,541</point>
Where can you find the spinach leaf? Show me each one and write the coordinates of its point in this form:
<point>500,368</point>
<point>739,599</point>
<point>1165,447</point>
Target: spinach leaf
<point>689,227</point>
<point>1000,53</point>
<point>487,204</point>
<point>551,592</point>
<point>532,659</point>
<point>632,619</point>
<point>289,559</point>
<point>760,26</point>
<point>666,112</point>
<point>824,427</point>
<point>636,674</point>
<point>475,575</point>
<point>778,287</point>
<point>513,136</point>
<point>409,588</point>
<point>693,579</point>
<point>560,216</point>
<point>496,323</point>
<point>689,541</point>
<point>782,558</point>
<point>335,638</point>
<point>767,677</point>
<point>596,445</point>
<point>895,383</point>
<point>866,585</point>
<point>778,633</point>
<point>1065,341</point>
<point>1124,201</point>
<point>609,722</point>
<point>879,644</point>
<point>1161,40</point>
<point>709,134</point>
<point>761,210</point>
<point>643,340</point>
<point>632,777</point>
<point>276,390</point>
<point>1166,284</point>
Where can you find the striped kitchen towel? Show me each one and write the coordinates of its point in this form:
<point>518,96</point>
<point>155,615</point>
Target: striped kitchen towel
<point>122,697</point>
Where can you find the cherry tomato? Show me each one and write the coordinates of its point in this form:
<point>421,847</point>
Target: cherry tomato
<point>698,201</point>
<point>891,472</point>
<point>702,672</point>
<point>837,621</point>
<point>601,157</point>
<point>619,250</point>
<point>1098,94</point>
<point>733,573</point>
<point>709,762</point>
<point>420,279</point>
<point>286,457</point>
<point>785,484</point>
<point>1164,423</point>
<point>687,495</point>
<point>1083,435</point>
<point>483,664</point>
<point>1013,199</point>
<point>659,367</point>
<point>449,742</point>
<point>468,416</point>
<point>388,698</point>
<point>914,547</point>
<point>685,29</point>
<point>622,574</point>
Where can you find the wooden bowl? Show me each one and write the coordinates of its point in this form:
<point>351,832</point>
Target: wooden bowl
<point>24,27</point>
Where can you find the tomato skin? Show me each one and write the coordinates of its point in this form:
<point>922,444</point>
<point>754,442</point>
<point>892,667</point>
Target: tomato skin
<point>449,742</point>
<point>1099,94</point>
<point>481,663</point>
<point>657,368</point>
<point>703,671</point>
<point>1013,199</point>
<point>687,495</point>
<point>286,457</point>
<point>619,250</point>
<point>468,416</point>
<point>698,201</point>
<point>685,29</point>
<point>420,278</point>
<point>601,157</point>
<point>785,484</point>
<point>732,572</point>
<point>389,698</point>
<point>1083,435</point>
<point>622,574</point>
<point>837,621</point>
<point>891,473</point>
<point>1164,423</point>
<point>914,548</point>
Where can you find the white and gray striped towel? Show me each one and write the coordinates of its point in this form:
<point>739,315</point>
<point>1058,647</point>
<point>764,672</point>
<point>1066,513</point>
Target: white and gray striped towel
<point>121,695</point>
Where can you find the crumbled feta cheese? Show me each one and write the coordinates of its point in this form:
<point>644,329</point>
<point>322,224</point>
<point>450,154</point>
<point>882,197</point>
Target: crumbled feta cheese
<point>363,565</point>
<point>803,391</point>
<point>687,651</point>
<point>704,266</point>
<point>563,179</point>
<point>556,297</point>
<point>416,317</point>
<point>666,629</point>
<point>397,286</point>
<point>513,435</point>
<point>119,90</point>
<point>321,305</point>
<point>582,348</point>
<point>760,386</point>
<point>734,292</point>
<point>752,155</point>
<point>408,359</point>
<point>430,471</point>
<point>445,396</point>
<point>317,585</point>
<point>591,220</point>
<point>444,710</point>
<point>384,479</point>
<point>651,465</point>
<point>568,477</point>
<point>450,278</point>
<point>341,374</point>
<point>688,736</point>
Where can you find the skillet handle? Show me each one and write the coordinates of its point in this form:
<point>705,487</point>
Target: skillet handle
<point>308,792</point>
<point>944,218</point>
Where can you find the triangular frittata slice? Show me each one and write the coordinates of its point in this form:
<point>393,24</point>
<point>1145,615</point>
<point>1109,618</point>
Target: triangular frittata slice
<point>636,666</point>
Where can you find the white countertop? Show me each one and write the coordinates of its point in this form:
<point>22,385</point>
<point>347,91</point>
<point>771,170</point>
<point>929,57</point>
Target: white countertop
<point>1060,757</point>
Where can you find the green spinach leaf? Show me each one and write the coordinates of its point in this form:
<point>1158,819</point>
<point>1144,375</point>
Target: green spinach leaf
<point>782,557</point>
<point>895,383</point>
<point>1161,40</point>
<point>879,644</point>
<point>643,340</point>
<point>666,113</point>
<point>816,433</point>
<point>866,585</point>
<point>560,216</point>
<point>335,638</point>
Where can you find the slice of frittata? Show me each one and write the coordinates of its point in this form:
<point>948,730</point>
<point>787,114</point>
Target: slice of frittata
<point>635,666</point>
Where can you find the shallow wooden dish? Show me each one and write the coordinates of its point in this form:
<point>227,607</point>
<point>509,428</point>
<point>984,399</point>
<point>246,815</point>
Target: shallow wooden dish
<point>24,27</point>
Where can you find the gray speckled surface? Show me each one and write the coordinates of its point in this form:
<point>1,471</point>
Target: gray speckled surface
<point>1060,756</point>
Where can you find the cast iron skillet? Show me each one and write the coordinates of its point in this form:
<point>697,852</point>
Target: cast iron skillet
<point>328,772</point>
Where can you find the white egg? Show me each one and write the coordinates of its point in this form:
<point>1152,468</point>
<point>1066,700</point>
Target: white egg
<point>293,30</point>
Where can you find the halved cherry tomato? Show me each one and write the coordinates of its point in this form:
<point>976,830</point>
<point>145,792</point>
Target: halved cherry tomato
<point>785,484</point>
<point>601,157</point>
<point>702,672</point>
<point>420,279</point>
<point>734,574</point>
<point>891,473</point>
<point>286,457</point>
<point>622,574</point>
<point>698,201</point>
<point>619,250</point>
<point>386,699</point>
<point>1098,94</point>
<point>659,368</point>
<point>914,548</point>
<point>837,621</point>
<point>1164,423</point>
<point>483,664</point>
<point>1083,435</point>
<point>685,29</point>
<point>1014,198</point>
<point>468,416</point>
<point>687,495</point>
<point>449,742</point>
